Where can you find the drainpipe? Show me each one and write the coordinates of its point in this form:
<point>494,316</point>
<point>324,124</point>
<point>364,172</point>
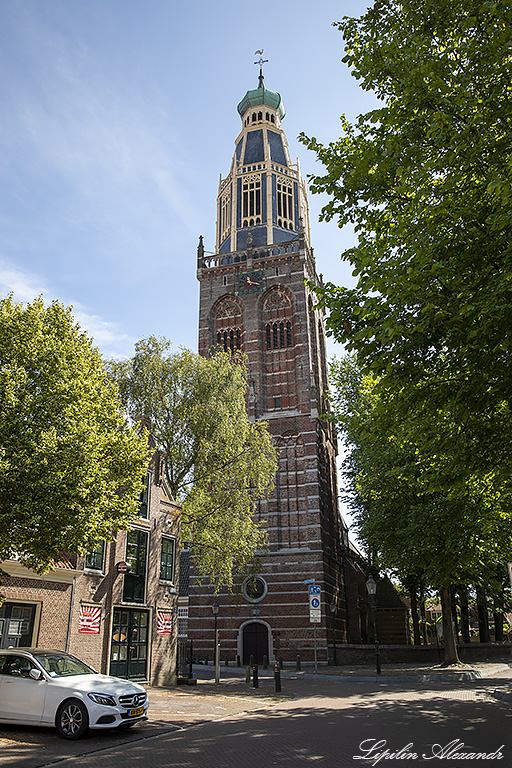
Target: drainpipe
<point>68,636</point>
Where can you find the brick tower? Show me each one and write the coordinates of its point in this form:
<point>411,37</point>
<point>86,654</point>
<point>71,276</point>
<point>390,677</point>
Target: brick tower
<point>253,297</point>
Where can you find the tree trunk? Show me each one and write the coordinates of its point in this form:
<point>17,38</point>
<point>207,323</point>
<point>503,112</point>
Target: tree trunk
<point>498,627</point>
<point>484,634</point>
<point>455,616</point>
<point>464,615</point>
<point>450,644</point>
<point>415,617</point>
<point>424,630</point>
<point>498,618</point>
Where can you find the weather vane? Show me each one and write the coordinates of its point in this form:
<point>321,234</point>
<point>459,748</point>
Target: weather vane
<point>261,61</point>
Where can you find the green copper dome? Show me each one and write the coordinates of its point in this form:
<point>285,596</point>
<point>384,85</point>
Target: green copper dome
<point>259,96</point>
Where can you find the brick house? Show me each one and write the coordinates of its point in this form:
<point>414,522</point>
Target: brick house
<point>122,623</point>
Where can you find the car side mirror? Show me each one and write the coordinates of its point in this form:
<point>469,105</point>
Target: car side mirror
<point>35,674</point>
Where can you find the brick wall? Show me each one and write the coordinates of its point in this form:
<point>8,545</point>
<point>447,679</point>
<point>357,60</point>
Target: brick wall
<point>53,597</point>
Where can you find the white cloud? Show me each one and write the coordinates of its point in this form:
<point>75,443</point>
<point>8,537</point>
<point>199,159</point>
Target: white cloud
<point>26,286</point>
<point>107,335</point>
<point>84,148</point>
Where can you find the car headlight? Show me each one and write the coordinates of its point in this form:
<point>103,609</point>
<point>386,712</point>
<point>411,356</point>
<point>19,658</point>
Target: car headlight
<point>102,698</point>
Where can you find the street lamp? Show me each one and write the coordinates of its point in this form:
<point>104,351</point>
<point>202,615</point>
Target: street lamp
<point>215,609</point>
<point>371,587</point>
<point>332,606</point>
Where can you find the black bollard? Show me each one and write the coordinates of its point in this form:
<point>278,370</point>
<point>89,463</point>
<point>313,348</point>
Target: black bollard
<point>238,661</point>
<point>255,683</point>
<point>297,663</point>
<point>251,660</point>
<point>265,662</point>
<point>247,674</point>
<point>277,678</point>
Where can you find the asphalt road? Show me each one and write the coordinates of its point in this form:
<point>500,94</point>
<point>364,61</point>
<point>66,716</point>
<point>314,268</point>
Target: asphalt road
<point>327,722</point>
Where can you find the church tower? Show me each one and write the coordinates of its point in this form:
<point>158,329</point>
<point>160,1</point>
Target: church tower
<point>255,296</point>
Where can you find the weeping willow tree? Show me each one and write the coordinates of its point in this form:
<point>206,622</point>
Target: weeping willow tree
<point>216,462</point>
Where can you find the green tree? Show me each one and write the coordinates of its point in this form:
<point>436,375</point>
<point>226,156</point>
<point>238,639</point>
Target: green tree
<point>427,181</point>
<point>407,526</point>
<point>69,470</point>
<point>217,463</point>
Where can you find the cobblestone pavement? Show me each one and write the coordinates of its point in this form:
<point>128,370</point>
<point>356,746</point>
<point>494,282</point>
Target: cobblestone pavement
<point>315,720</point>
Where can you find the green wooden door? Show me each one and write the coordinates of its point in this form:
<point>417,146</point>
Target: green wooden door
<point>129,649</point>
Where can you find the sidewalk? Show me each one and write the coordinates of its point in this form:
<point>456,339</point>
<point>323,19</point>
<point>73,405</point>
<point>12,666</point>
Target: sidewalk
<point>417,673</point>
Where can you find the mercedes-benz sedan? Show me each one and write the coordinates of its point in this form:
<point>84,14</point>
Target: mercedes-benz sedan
<point>39,687</point>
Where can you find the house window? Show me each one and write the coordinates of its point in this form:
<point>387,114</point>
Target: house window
<point>144,496</point>
<point>95,557</point>
<point>167,560</point>
<point>135,580</point>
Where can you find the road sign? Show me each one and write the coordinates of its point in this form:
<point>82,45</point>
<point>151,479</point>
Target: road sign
<point>315,608</point>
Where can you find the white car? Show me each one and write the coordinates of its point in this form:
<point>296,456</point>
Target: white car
<point>39,687</point>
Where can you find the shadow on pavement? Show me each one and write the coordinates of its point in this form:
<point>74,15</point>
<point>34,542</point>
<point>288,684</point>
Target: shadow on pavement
<point>322,720</point>
<point>296,733</point>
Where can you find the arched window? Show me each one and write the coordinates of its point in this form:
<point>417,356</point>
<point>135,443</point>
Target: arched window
<point>277,310</point>
<point>280,355</point>
<point>227,319</point>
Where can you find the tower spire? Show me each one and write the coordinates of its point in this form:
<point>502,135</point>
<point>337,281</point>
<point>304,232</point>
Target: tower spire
<point>261,61</point>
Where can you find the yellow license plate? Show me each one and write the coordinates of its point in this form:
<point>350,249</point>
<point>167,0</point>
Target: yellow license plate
<point>136,712</point>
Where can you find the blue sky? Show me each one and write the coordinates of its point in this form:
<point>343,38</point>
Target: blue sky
<point>118,117</point>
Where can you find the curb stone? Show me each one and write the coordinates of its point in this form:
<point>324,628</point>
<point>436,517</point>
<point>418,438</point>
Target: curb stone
<point>502,695</point>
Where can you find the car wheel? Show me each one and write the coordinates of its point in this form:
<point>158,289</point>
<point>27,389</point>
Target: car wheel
<point>72,720</point>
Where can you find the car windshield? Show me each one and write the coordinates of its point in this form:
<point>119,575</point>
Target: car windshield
<point>62,665</point>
